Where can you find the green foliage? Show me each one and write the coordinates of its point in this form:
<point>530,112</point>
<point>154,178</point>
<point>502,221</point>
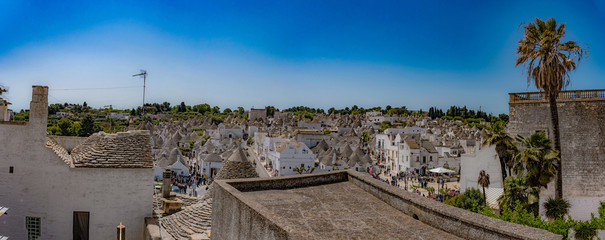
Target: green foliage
<point>472,200</point>
<point>516,192</point>
<point>398,111</point>
<point>271,111</point>
<point>88,126</point>
<point>384,125</point>
<point>304,110</point>
<point>199,133</point>
<point>365,136</point>
<point>520,215</point>
<point>537,159</point>
<point>53,130</point>
<point>327,131</point>
<point>64,126</point>
<point>22,116</point>
<point>556,208</point>
<point>227,111</point>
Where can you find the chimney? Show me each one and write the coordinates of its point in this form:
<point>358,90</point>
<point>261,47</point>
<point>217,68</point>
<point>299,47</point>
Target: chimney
<point>166,183</point>
<point>38,107</point>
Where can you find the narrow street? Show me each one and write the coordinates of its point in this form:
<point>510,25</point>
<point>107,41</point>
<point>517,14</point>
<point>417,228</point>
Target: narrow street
<point>259,166</point>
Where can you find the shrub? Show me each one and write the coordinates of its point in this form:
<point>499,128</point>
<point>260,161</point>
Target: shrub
<point>556,208</point>
<point>470,200</point>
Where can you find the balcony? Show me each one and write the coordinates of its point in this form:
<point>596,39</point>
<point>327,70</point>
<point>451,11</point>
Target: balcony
<point>564,96</point>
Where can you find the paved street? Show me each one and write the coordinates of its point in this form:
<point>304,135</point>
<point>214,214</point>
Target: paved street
<point>259,166</point>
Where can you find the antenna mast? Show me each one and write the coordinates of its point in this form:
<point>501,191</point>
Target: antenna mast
<point>144,75</point>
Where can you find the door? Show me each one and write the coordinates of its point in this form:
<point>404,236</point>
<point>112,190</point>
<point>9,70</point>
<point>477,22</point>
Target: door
<point>81,224</point>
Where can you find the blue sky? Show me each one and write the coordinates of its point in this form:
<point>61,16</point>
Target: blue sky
<point>284,53</point>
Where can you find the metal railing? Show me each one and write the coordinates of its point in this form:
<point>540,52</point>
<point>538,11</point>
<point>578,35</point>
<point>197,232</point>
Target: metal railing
<point>573,95</point>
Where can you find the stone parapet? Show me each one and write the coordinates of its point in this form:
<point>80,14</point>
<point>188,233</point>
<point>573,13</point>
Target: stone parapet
<point>239,212</point>
<point>564,96</point>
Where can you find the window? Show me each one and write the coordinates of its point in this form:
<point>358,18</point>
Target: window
<point>417,159</point>
<point>431,158</point>
<point>32,224</point>
<point>423,159</point>
<point>11,169</point>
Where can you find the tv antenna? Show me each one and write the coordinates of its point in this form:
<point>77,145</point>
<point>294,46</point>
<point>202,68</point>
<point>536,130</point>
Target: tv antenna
<point>144,75</point>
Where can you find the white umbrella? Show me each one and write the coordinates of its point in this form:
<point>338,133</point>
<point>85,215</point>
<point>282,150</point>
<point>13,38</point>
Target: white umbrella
<point>441,170</point>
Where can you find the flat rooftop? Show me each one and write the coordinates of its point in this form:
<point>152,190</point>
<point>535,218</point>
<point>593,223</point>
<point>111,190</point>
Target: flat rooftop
<point>342,211</point>
<point>345,205</point>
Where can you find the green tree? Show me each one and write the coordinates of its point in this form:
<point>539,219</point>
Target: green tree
<point>384,125</point>
<point>227,111</point>
<point>64,125</point>
<point>88,126</point>
<point>271,111</point>
<point>483,181</point>
<point>516,191</point>
<point>537,159</point>
<point>471,200</point>
<point>548,62</point>
<point>497,135</point>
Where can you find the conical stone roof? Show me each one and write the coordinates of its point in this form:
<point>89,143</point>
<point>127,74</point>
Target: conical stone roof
<point>237,166</point>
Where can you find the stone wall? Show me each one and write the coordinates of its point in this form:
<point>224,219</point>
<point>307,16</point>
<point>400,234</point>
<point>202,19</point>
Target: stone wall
<point>582,124</point>
<point>235,216</point>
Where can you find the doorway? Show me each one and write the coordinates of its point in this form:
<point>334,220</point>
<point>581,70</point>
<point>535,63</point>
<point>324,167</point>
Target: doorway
<point>81,225</point>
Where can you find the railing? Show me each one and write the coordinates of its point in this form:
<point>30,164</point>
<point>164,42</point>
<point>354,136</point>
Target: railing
<point>573,95</point>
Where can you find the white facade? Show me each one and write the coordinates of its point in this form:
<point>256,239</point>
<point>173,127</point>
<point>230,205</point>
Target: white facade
<point>211,168</point>
<point>483,158</point>
<point>42,185</point>
<point>290,156</point>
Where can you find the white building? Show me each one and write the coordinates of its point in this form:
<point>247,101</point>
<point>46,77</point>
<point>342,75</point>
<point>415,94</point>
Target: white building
<point>211,164</point>
<point>54,193</point>
<point>481,158</point>
<point>290,155</point>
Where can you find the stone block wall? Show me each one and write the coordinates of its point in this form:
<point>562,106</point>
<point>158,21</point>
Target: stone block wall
<point>582,128</point>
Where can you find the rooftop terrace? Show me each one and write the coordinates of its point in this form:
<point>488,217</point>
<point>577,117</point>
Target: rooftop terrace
<point>345,205</point>
<point>342,211</point>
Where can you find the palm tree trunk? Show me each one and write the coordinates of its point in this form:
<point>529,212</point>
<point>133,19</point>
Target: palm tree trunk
<point>502,169</point>
<point>500,150</point>
<point>484,198</point>
<point>554,114</point>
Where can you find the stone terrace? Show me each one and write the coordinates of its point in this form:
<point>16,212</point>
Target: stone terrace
<point>342,211</point>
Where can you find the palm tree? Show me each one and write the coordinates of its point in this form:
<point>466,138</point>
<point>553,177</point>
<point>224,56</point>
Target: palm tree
<point>504,145</point>
<point>517,191</point>
<point>538,161</point>
<point>548,62</point>
<point>556,208</point>
<point>484,182</point>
